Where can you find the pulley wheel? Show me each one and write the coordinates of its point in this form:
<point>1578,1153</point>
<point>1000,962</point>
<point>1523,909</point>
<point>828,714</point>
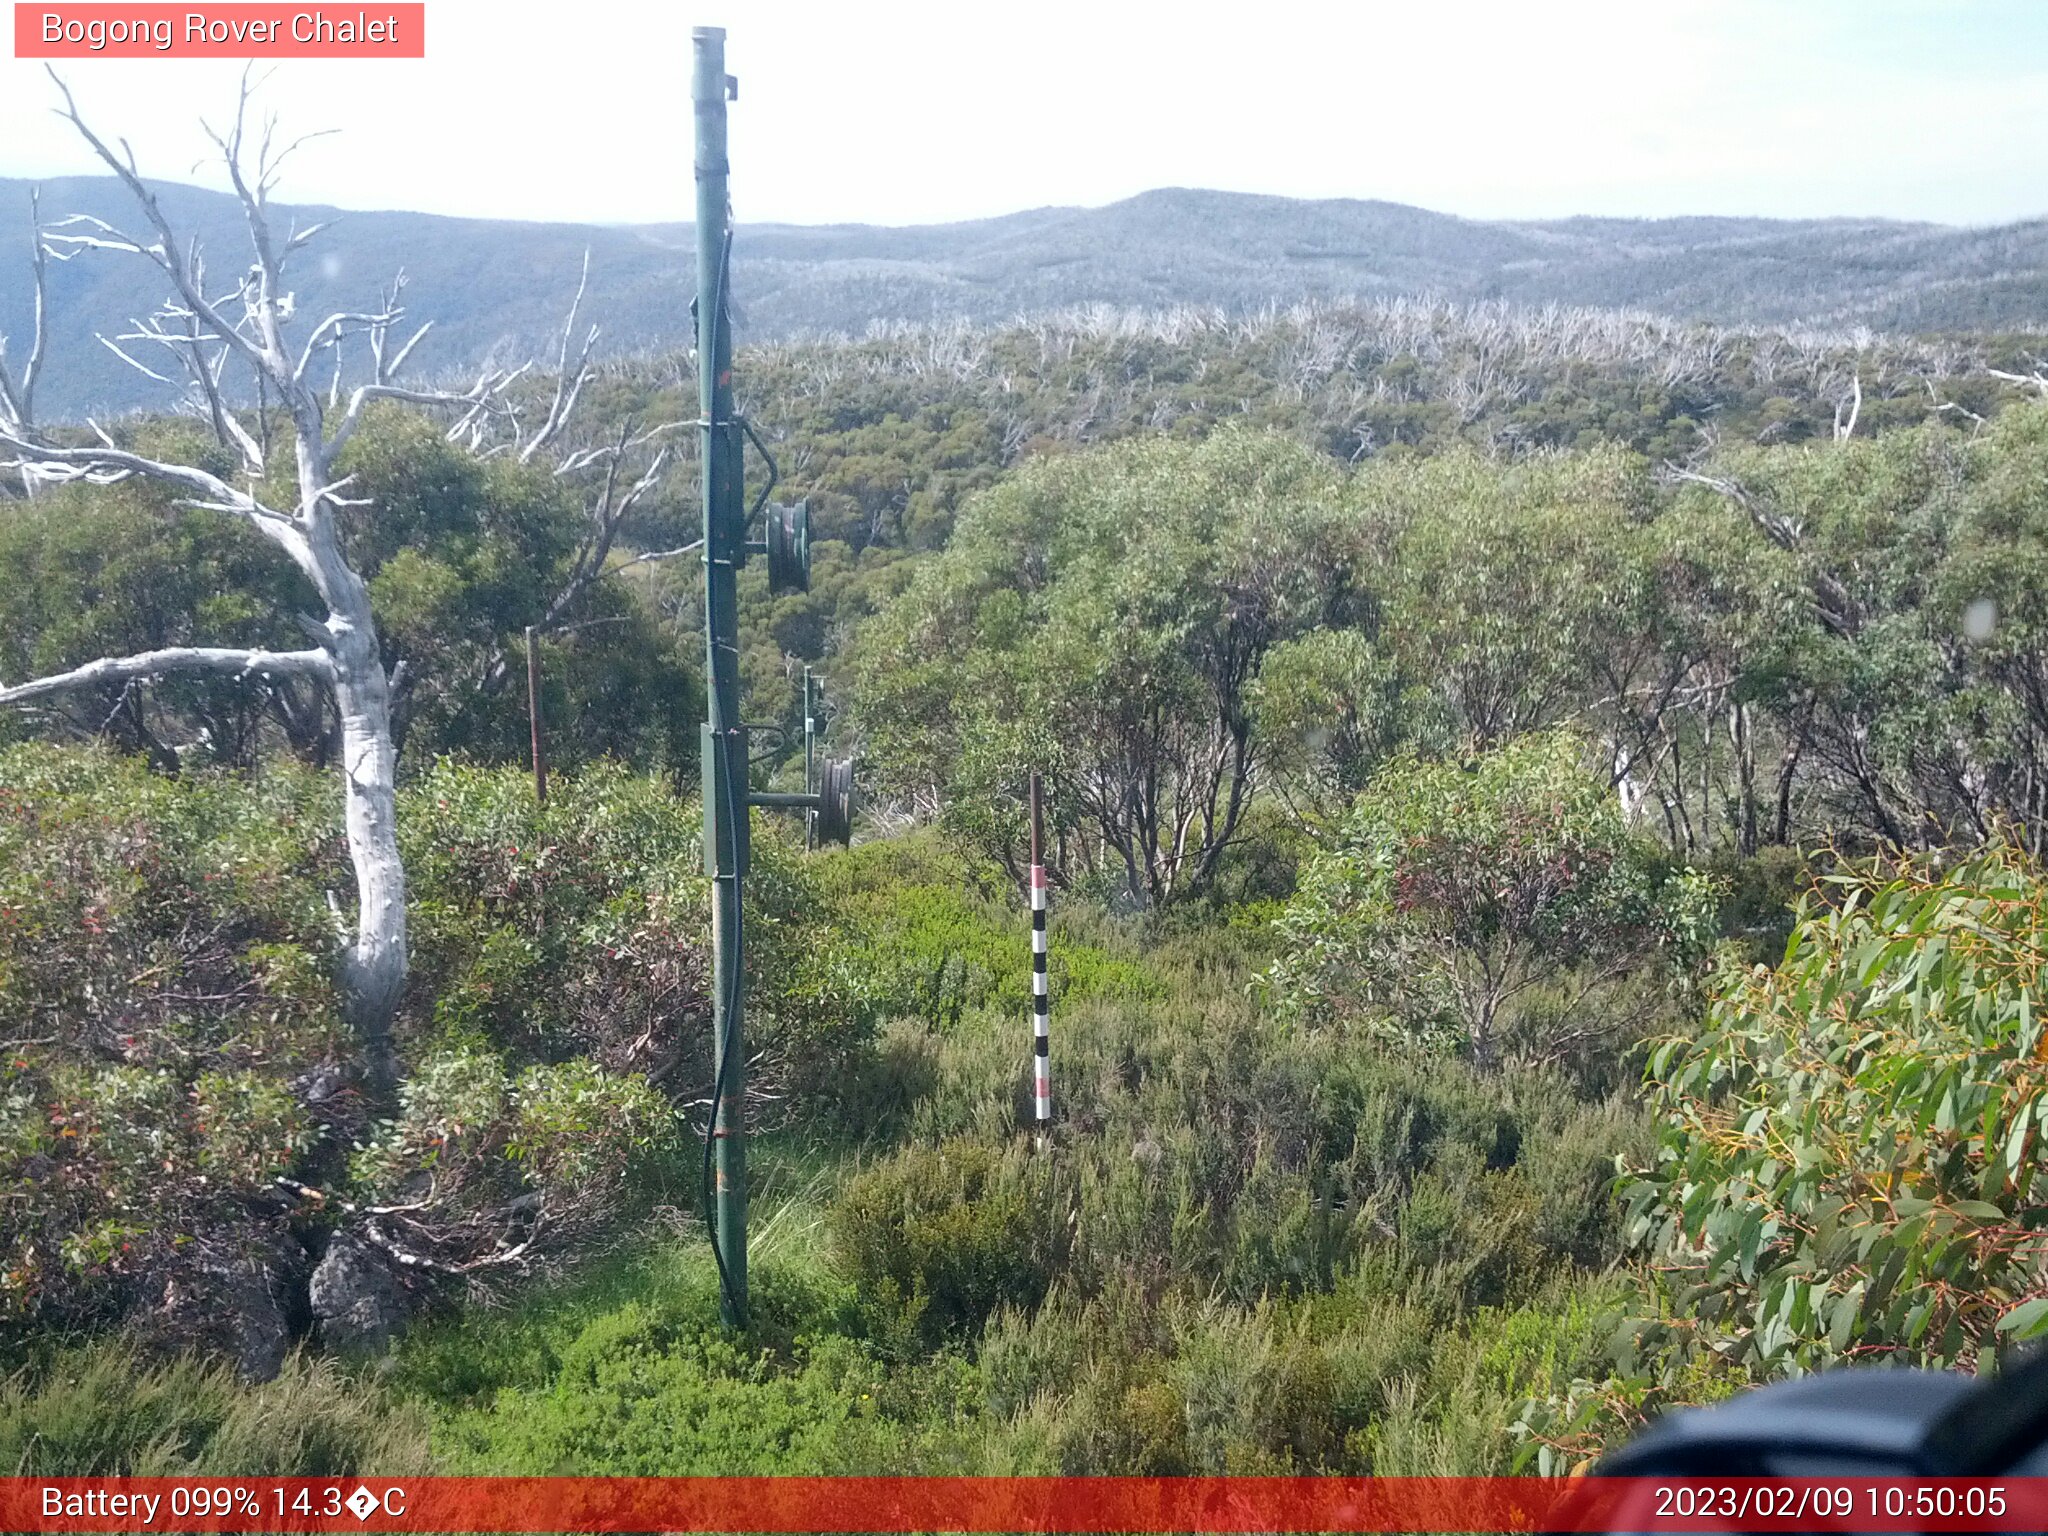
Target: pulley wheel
<point>835,802</point>
<point>788,537</point>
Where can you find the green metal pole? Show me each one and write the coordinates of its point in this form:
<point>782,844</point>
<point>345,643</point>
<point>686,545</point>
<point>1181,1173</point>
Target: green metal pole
<point>810,761</point>
<point>724,778</point>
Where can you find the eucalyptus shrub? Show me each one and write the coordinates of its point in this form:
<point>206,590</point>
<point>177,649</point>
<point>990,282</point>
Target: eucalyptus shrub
<point>163,990</point>
<point>1849,1152</point>
<point>1851,1143</point>
<point>175,1076</point>
<point>1497,907</point>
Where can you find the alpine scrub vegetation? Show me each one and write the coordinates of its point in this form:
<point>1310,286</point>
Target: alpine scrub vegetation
<point>1249,1251</point>
<point>1848,1153</point>
<point>159,992</point>
<point>1433,755</point>
<point>1851,1143</point>
<point>183,1131</point>
<point>1499,906</point>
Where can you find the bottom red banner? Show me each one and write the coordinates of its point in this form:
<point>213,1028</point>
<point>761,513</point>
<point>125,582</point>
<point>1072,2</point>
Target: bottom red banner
<point>1050,1504</point>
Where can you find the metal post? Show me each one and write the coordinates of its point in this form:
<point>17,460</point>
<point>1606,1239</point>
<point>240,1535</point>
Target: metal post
<point>810,754</point>
<point>725,789</point>
<point>539,731</point>
<point>1041,1002</point>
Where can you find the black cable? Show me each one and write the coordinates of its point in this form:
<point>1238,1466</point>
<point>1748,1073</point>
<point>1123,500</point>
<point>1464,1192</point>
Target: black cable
<point>732,1000</point>
<point>719,320</point>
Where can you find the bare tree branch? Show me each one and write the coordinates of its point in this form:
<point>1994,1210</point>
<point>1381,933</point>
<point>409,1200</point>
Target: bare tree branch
<point>331,330</point>
<point>113,346</point>
<point>2035,381</point>
<point>1848,410</point>
<point>650,556</point>
<point>18,394</point>
<point>223,662</point>
<point>569,381</point>
<point>607,510</point>
<point>1942,406</point>
<point>478,404</point>
<point>165,253</point>
<point>105,464</point>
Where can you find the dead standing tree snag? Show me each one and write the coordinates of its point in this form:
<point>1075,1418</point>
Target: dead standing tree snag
<point>213,333</point>
<point>18,387</point>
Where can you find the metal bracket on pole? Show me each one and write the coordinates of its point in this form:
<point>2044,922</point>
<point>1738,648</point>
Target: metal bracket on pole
<point>831,804</point>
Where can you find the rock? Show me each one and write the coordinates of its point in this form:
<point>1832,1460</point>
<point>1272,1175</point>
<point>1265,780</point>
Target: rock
<point>320,1084</point>
<point>357,1302</point>
<point>264,1337</point>
<point>231,1294</point>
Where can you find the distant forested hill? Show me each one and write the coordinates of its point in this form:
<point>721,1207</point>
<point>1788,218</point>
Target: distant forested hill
<point>500,286</point>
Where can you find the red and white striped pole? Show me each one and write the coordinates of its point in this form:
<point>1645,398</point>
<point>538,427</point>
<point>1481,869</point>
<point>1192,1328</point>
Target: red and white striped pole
<point>1041,1002</point>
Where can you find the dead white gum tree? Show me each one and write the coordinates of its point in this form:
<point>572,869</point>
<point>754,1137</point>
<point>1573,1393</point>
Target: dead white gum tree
<point>206,331</point>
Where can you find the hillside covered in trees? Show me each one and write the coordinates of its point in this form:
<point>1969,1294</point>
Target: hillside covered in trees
<point>1544,814</point>
<point>499,286</point>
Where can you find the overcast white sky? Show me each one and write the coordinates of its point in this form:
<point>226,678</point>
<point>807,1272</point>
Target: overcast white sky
<point>898,111</point>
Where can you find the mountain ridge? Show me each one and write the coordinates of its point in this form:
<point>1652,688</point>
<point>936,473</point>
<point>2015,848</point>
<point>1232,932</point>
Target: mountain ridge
<point>499,287</point>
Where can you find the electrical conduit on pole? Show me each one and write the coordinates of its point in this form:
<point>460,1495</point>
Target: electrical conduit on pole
<point>724,755</point>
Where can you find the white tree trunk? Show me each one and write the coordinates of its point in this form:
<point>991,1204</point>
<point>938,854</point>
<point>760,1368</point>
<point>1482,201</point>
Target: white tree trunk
<point>374,966</point>
<point>205,333</point>
<point>247,326</point>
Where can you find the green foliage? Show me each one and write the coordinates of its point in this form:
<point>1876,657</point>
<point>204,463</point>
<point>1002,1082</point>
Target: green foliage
<point>1105,616</point>
<point>1850,1147</point>
<point>1507,582</point>
<point>1500,906</point>
<point>157,999</point>
<point>1250,1247</point>
<point>548,930</point>
<point>926,929</point>
<point>1333,706</point>
<point>459,553</point>
<point>1796,642</point>
<point>647,1393</point>
<point>582,929</point>
<point>1350,1381</point>
<point>566,1152</point>
<point>1359,1221</point>
<point>641,1378</point>
<point>937,1238</point>
<point>462,553</point>
<point>1906,673</point>
<point>175,1044</point>
<point>1224,1153</point>
<point>102,1411</point>
<point>87,572</point>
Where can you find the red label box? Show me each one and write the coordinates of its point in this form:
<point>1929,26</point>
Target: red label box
<point>377,30</point>
<point>1068,1506</point>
